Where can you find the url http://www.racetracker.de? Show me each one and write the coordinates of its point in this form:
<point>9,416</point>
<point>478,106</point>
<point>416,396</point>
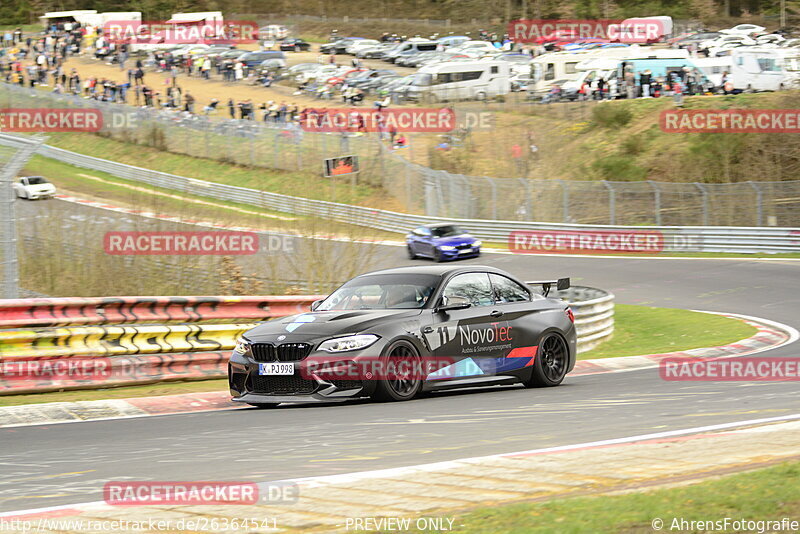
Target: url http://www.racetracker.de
<point>150,524</point>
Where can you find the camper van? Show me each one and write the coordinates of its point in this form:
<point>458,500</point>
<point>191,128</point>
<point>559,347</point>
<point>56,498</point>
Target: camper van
<point>461,80</point>
<point>758,69</point>
<point>561,67</point>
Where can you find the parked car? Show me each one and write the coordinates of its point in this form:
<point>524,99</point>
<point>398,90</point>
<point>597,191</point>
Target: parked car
<point>338,47</point>
<point>360,44</point>
<point>744,29</point>
<point>254,59</point>
<point>295,45</point>
<point>33,188</point>
<point>375,51</point>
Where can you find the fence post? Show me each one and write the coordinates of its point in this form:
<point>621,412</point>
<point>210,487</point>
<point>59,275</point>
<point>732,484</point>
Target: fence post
<point>526,184</point>
<point>657,201</point>
<point>704,191</point>
<point>408,186</point>
<point>494,197</point>
<point>564,200</point>
<point>612,202</point>
<point>759,203</point>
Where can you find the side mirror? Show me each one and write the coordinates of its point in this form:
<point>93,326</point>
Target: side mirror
<point>453,303</point>
<point>316,303</point>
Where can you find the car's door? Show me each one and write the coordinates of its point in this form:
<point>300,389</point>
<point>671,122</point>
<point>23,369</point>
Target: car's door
<point>470,339</point>
<point>525,313</point>
<point>423,244</point>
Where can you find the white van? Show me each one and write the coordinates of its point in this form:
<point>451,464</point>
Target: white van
<point>758,69</point>
<point>461,80</point>
<point>412,45</point>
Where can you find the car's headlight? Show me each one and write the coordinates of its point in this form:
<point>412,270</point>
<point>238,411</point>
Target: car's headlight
<point>477,243</point>
<point>242,346</point>
<point>446,247</point>
<point>342,344</point>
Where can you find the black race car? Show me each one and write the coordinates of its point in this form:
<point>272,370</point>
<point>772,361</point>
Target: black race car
<point>393,333</point>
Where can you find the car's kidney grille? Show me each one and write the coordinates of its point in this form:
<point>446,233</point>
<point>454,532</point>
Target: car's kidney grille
<point>287,352</point>
<point>281,384</point>
<point>460,247</point>
<point>263,352</point>
<point>293,352</point>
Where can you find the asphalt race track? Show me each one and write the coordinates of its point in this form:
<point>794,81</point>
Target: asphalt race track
<point>69,463</point>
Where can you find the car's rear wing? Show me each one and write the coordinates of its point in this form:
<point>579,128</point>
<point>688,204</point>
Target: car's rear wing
<point>561,283</point>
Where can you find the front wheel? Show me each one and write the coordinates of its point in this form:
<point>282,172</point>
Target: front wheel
<point>437,256</point>
<point>264,405</point>
<point>400,382</point>
<point>550,366</point>
<point>411,254</point>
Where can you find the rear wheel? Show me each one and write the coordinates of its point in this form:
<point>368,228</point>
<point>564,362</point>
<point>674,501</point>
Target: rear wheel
<point>550,366</point>
<point>400,384</point>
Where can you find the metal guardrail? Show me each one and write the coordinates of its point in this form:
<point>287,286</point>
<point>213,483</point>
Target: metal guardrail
<point>594,315</point>
<point>675,238</point>
<point>91,357</point>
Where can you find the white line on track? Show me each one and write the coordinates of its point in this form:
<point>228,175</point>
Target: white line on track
<point>454,464</point>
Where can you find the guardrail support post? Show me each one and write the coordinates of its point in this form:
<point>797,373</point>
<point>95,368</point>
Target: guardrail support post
<point>759,203</point>
<point>704,191</point>
<point>612,202</point>
<point>656,201</point>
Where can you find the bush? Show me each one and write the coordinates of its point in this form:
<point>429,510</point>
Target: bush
<point>608,115</point>
<point>619,168</point>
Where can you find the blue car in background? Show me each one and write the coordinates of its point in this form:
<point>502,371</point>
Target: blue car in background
<point>441,242</point>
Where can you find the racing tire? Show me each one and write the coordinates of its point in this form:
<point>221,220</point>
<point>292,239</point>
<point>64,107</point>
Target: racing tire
<point>550,364</point>
<point>437,256</point>
<point>264,405</point>
<point>411,255</point>
<point>398,388</point>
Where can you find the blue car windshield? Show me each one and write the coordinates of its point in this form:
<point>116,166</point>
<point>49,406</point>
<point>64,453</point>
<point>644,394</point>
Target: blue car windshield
<point>447,231</point>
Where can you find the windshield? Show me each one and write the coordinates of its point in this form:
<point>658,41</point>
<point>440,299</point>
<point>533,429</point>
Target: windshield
<point>447,231</point>
<point>382,292</point>
<point>36,180</point>
<point>422,79</point>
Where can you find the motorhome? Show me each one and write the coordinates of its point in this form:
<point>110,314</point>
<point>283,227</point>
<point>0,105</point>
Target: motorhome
<point>461,80</point>
<point>561,67</point>
<point>759,69</point>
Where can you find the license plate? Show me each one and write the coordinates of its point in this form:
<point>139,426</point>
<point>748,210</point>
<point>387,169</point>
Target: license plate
<point>275,369</point>
<point>465,251</point>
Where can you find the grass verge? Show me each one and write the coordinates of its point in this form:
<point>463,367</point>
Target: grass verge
<point>645,330</point>
<point>764,494</point>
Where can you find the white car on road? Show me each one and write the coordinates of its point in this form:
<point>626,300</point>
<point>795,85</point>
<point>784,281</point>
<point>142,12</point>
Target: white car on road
<point>33,188</point>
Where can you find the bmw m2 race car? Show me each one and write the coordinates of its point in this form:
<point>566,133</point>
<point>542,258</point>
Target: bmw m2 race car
<point>393,333</point>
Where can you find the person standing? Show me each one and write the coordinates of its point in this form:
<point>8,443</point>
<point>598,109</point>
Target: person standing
<point>645,79</point>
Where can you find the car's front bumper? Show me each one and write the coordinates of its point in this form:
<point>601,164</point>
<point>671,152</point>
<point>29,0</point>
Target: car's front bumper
<point>456,254</point>
<point>306,384</point>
